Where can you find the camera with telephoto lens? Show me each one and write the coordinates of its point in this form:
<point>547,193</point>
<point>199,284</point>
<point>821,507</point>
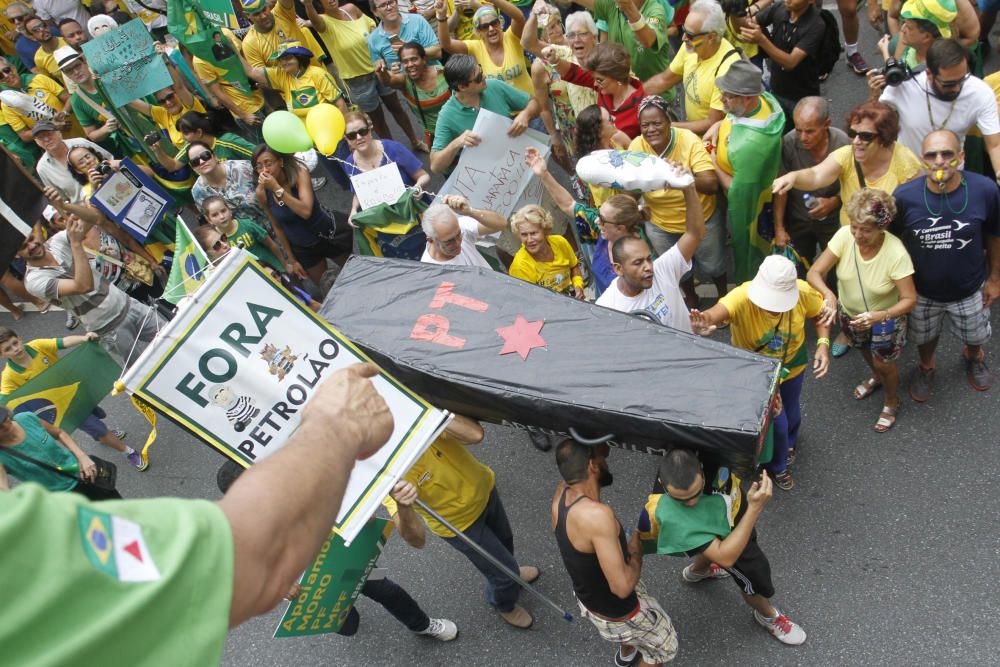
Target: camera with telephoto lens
<point>735,7</point>
<point>103,168</point>
<point>897,71</point>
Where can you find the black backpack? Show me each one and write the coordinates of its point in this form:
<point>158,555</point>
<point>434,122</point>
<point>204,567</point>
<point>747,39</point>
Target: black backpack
<point>830,48</point>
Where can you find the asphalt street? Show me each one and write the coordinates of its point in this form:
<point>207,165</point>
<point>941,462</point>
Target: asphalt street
<point>886,552</point>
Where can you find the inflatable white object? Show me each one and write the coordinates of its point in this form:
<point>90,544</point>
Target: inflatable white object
<point>32,107</point>
<point>629,170</point>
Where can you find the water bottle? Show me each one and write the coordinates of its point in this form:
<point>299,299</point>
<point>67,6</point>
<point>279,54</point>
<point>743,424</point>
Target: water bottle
<point>809,201</point>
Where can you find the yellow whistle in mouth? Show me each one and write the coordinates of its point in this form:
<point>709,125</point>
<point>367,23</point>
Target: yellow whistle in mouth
<point>939,175</point>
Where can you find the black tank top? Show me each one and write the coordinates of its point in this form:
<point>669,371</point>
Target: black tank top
<point>589,583</point>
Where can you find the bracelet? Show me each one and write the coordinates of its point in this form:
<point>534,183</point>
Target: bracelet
<point>638,25</point>
<point>886,316</point>
<point>822,341</point>
<point>577,282</point>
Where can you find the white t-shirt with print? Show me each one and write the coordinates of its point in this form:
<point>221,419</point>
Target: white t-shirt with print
<point>664,299</point>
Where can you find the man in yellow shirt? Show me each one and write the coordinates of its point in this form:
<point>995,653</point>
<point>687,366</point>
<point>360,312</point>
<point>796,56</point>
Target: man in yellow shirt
<point>45,61</point>
<point>707,54</point>
<point>453,483</point>
<point>46,95</point>
<point>271,27</point>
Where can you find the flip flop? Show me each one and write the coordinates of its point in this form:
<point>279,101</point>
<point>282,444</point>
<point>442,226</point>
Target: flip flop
<point>866,388</point>
<point>839,349</point>
<point>886,420</point>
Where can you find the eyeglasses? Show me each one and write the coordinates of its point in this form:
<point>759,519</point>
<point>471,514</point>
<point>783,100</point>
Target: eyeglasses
<point>6,71</point>
<point>944,155</point>
<point>384,5</point>
<point>488,24</point>
<point>692,36</point>
<point>199,160</point>
<point>953,84</point>
<point>18,19</point>
<point>578,34</point>
<point>360,132</point>
<point>865,137</point>
<point>168,96</point>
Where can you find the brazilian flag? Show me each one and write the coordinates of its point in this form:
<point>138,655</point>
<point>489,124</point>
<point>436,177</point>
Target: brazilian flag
<point>754,151</point>
<point>197,25</point>
<point>68,391</point>
<point>187,270</point>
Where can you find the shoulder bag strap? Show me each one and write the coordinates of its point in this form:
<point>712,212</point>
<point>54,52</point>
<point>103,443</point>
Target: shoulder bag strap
<point>861,175</point>
<point>420,109</point>
<point>722,62</point>
<point>857,268</point>
<point>42,464</point>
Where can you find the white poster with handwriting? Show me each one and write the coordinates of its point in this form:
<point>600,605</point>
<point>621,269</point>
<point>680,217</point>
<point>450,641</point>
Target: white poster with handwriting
<point>493,174</point>
<point>378,186</point>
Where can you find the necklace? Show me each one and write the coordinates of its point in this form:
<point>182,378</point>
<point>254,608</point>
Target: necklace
<point>946,201</point>
<point>930,114</point>
<point>368,165</point>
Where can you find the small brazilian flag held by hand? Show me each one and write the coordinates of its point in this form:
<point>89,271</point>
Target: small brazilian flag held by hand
<point>187,271</point>
<point>67,392</point>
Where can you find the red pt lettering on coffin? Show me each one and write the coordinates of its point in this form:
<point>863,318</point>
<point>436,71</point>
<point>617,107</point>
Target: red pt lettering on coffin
<point>434,329</point>
<point>445,294</point>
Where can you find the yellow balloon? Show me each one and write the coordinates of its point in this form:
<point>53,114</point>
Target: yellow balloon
<point>325,125</point>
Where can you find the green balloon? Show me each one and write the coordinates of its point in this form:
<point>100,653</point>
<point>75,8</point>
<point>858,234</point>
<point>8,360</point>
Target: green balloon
<point>286,133</point>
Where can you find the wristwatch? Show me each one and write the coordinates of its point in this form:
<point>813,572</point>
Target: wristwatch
<point>279,193</point>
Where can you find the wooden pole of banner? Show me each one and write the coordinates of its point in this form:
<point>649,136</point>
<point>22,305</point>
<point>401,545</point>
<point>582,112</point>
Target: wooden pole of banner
<point>496,563</point>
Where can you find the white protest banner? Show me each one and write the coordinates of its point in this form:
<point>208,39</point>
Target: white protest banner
<point>378,186</point>
<point>493,175</point>
<point>239,361</point>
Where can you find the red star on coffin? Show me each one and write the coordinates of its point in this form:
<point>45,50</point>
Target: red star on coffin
<point>522,337</point>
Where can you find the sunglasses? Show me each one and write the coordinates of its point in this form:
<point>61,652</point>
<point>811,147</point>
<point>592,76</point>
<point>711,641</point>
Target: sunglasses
<point>168,96</point>
<point>38,28</point>
<point>488,24</point>
<point>866,137</point>
<point>692,36</point>
<point>956,82</point>
<point>221,243</point>
<point>199,160</point>
<point>6,71</point>
<point>360,132</point>
<point>944,155</point>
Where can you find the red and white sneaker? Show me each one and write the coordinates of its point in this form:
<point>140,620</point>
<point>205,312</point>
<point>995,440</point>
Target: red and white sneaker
<point>783,629</point>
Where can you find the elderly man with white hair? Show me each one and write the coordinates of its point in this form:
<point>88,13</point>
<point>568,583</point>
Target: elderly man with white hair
<point>706,55</point>
<point>452,229</point>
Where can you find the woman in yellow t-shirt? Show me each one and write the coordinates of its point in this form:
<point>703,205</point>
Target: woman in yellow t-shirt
<point>545,259</point>
<point>499,51</point>
<point>301,85</point>
<point>885,164</point>
<point>875,283</point>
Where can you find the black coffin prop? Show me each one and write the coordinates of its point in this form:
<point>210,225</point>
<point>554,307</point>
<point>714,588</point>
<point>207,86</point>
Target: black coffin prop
<point>468,340</point>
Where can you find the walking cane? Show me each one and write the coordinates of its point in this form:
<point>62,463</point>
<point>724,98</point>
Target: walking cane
<point>492,559</point>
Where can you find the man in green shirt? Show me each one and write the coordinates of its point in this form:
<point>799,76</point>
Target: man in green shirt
<point>470,93</point>
<point>187,569</point>
<point>642,30</point>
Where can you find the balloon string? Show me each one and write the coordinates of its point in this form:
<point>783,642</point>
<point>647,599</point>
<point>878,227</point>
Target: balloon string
<point>355,168</point>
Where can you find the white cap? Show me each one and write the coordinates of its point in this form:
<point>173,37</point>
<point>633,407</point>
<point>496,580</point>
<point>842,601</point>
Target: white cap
<point>775,287</point>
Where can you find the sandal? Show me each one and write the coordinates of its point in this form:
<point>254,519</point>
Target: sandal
<point>790,459</point>
<point>783,480</point>
<point>866,388</point>
<point>887,419</point>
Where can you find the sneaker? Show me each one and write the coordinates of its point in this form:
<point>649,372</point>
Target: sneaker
<point>441,629</point>
<point>318,182</point>
<point>119,433</point>
<point>135,458</point>
<point>518,617</point>
<point>626,662</point>
<point>782,628</point>
<point>979,374</point>
<point>692,577</point>
<point>72,321</point>
<point>858,64</point>
<point>920,384</point>
<point>540,440</point>
<point>783,480</point>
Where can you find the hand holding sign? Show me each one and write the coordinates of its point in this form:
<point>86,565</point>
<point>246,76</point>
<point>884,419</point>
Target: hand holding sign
<point>349,401</point>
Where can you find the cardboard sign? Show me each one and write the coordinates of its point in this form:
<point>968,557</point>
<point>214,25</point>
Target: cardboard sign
<point>378,186</point>
<point>133,200</point>
<point>333,582</point>
<point>127,64</point>
<point>240,360</point>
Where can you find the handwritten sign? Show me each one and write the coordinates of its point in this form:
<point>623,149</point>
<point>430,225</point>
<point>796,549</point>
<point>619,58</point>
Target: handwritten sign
<point>127,64</point>
<point>378,186</point>
<point>133,200</point>
<point>493,174</point>
<point>333,582</point>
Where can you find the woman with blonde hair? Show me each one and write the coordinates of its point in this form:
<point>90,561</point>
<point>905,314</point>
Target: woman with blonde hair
<point>875,283</point>
<point>545,259</point>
